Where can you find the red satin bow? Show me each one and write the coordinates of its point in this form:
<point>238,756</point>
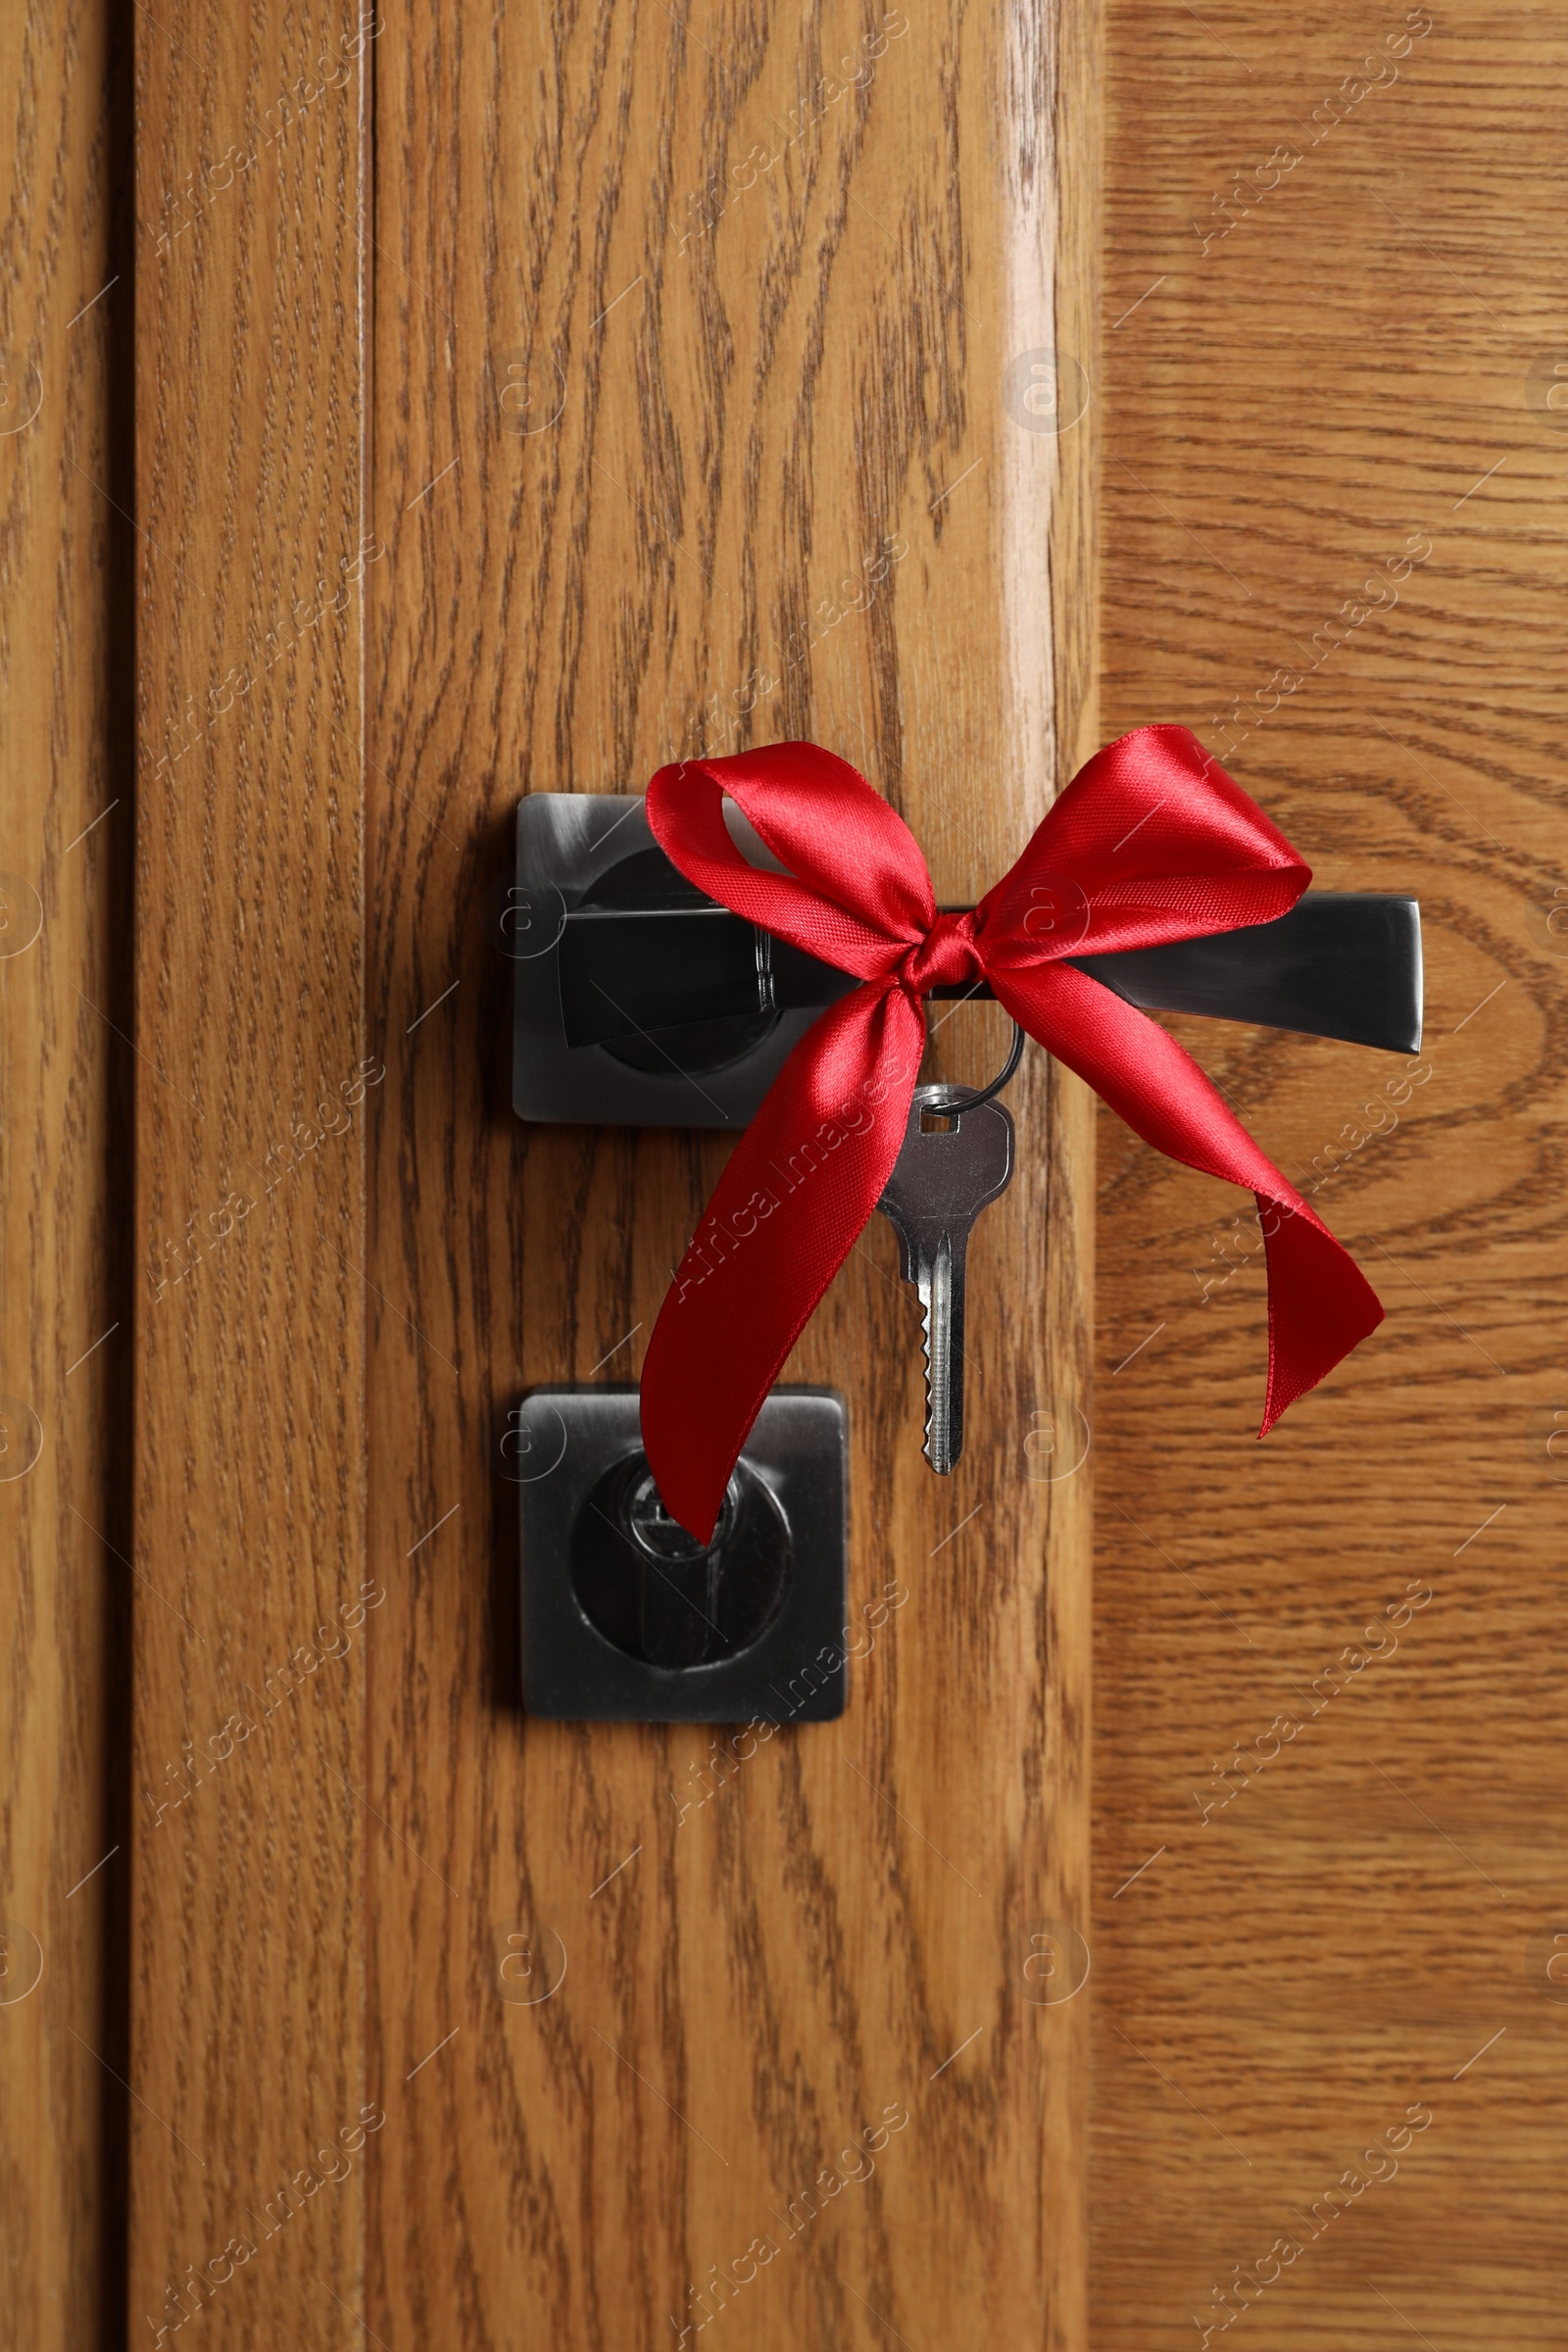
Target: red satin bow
<point>1150,842</point>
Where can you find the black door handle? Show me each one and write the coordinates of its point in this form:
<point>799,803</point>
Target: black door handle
<point>651,952</point>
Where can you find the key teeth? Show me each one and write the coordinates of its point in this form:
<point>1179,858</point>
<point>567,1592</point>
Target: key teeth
<point>942,1469</point>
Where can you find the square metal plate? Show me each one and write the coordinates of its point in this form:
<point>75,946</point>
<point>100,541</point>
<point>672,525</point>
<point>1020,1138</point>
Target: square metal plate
<point>596,1599</point>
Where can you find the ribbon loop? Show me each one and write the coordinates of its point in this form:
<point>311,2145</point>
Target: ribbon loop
<point>1152,842</point>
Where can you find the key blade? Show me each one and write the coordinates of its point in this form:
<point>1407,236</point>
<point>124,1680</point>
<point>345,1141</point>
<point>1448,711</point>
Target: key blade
<point>941,1288</point>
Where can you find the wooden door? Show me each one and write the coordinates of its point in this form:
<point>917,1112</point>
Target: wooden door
<point>527,400</point>
<point>1329,1868</point>
<point>583,359</point>
<point>67,812</point>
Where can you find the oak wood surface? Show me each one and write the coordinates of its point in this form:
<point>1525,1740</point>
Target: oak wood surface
<point>248,2063</point>
<point>64,850</point>
<point>1302,1931</point>
<point>620,484</point>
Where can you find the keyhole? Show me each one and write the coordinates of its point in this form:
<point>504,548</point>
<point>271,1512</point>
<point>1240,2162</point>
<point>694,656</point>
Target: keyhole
<point>650,1588</point>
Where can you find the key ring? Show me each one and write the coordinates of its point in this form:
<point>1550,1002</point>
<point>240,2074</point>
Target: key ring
<point>968,1098</point>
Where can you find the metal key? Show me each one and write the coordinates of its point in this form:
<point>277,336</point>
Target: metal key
<point>939,1183</point>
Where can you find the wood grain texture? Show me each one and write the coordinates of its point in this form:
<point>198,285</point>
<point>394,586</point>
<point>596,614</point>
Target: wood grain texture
<point>621,484</point>
<point>65,871</point>
<point>1358,368</point>
<point>248,2066</point>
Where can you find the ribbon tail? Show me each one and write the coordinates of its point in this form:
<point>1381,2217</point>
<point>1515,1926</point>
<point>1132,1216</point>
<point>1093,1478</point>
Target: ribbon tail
<point>799,1190</point>
<point>1320,1304</point>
